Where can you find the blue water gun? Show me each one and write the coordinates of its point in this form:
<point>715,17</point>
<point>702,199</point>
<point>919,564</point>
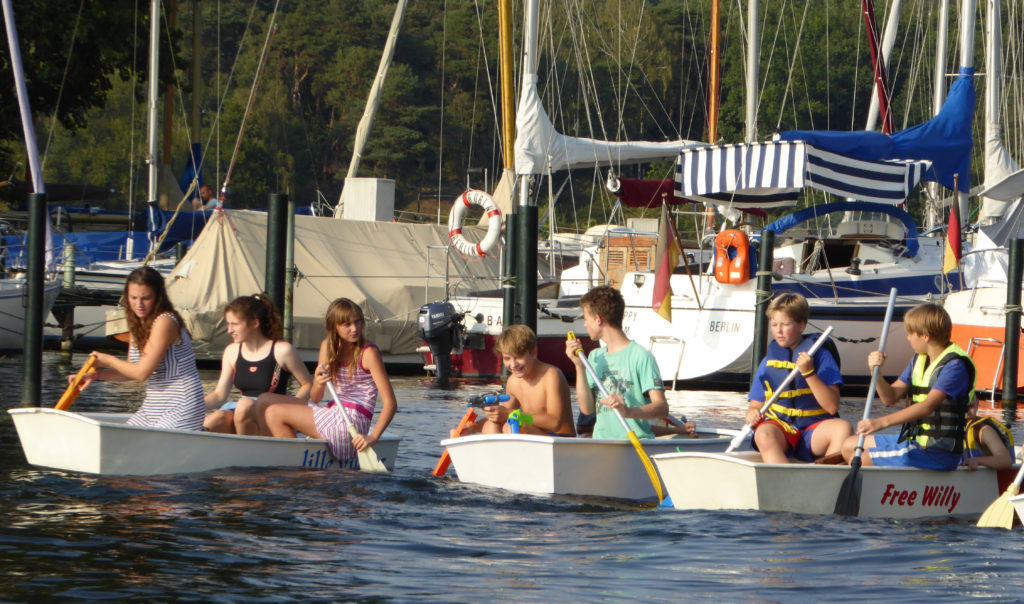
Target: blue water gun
<point>486,400</point>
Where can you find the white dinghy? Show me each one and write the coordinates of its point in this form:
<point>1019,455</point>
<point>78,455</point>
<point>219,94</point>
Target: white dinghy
<point>709,481</point>
<point>556,465</point>
<point>101,443</point>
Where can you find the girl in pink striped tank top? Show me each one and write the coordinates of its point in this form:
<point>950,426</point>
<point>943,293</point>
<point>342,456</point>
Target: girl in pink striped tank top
<point>356,368</point>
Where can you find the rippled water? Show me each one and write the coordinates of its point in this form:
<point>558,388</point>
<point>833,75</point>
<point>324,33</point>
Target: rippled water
<point>303,535</point>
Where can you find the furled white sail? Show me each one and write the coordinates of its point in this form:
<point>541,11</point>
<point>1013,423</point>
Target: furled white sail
<point>540,148</point>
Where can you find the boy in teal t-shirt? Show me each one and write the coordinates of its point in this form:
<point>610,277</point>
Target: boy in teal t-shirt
<point>627,370</point>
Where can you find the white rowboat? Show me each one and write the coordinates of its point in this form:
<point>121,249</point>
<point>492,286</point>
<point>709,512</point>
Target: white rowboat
<point>556,465</point>
<point>708,481</point>
<point>101,443</point>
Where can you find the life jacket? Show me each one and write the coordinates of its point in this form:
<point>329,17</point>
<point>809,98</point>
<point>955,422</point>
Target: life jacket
<point>796,406</point>
<point>732,257</point>
<point>944,429</point>
<point>972,446</point>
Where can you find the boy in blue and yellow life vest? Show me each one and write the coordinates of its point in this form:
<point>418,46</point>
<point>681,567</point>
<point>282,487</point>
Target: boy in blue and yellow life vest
<point>940,383</point>
<point>804,421</point>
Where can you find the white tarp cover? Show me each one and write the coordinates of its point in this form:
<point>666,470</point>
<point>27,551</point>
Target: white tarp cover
<point>382,266</point>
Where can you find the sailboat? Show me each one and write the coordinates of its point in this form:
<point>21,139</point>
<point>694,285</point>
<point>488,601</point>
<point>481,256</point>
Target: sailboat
<point>14,291</point>
<point>979,310</point>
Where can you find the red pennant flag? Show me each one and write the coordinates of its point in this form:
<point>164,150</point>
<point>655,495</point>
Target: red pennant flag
<point>951,260</point>
<point>665,260</point>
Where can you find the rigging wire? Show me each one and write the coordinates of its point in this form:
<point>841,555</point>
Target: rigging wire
<point>60,90</point>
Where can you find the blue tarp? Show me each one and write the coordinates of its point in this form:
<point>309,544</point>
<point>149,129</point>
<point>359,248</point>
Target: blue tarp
<point>945,140</point>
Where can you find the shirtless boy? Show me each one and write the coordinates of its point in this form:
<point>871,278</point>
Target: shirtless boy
<point>537,388</point>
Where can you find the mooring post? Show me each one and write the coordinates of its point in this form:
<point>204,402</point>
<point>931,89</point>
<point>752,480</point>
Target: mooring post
<point>34,296</point>
<point>764,296</point>
<point>67,328</point>
<point>526,265</point>
<point>276,232</point>
<point>289,262</point>
<point>1012,339</point>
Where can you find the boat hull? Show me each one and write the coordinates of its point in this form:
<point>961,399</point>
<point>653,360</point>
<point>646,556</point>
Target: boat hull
<point>12,310</point>
<point>550,465</point>
<point>101,443</point>
<point>707,481</point>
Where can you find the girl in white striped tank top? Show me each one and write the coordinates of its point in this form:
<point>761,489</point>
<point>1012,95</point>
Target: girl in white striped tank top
<point>160,354</point>
<point>356,368</point>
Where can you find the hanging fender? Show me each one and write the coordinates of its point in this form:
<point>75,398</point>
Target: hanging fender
<point>732,257</point>
<point>458,214</point>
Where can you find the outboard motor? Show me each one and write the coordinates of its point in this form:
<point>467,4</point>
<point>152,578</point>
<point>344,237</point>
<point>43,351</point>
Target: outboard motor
<point>441,328</point>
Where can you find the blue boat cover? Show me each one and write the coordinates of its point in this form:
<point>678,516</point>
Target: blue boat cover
<point>945,140</point>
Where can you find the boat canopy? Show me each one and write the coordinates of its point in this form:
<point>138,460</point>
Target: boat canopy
<point>862,165</point>
<point>945,140</point>
<point>790,220</point>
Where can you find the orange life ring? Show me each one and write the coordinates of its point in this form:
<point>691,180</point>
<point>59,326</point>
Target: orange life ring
<point>732,257</point>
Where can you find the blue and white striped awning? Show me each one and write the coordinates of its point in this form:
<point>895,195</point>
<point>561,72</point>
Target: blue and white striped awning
<point>771,174</point>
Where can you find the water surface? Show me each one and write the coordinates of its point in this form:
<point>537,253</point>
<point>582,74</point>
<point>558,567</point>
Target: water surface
<point>307,535</point>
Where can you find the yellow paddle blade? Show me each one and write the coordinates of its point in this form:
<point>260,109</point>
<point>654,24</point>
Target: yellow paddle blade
<point>75,387</point>
<point>368,460</point>
<point>646,460</point>
<point>1000,513</point>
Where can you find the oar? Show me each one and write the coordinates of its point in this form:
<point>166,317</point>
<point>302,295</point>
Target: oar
<point>446,458</point>
<point>848,502</point>
<point>368,460</point>
<point>644,458</point>
<point>1000,513</point>
<point>747,429</point>
<point>75,387</point>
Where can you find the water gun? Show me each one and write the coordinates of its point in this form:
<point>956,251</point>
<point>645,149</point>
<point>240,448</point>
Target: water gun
<point>517,418</point>
<point>486,400</point>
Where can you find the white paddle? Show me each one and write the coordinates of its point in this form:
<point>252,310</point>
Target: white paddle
<point>747,429</point>
<point>368,460</point>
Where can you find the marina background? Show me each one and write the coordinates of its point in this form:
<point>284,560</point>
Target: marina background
<point>253,535</point>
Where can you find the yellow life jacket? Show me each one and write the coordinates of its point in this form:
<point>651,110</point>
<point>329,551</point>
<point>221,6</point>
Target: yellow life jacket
<point>973,447</point>
<point>944,429</point>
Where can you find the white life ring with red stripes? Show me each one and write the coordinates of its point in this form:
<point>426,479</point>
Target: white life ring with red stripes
<point>458,214</point>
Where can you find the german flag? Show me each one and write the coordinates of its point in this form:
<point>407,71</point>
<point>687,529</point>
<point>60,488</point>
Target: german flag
<point>951,260</point>
<point>666,258</point>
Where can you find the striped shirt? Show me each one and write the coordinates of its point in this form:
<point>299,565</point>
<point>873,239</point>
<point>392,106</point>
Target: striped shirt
<point>358,395</point>
<point>174,394</point>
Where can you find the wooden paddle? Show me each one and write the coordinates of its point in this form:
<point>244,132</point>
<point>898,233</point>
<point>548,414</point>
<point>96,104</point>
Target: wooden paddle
<point>747,429</point>
<point>644,458</point>
<point>1000,513</point>
<point>75,387</point>
<point>446,459</point>
<point>848,502</point>
<point>368,460</point>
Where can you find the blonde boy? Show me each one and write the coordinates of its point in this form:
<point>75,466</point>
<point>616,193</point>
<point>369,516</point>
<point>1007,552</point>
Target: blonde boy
<point>940,383</point>
<point>535,387</point>
<point>803,422</point>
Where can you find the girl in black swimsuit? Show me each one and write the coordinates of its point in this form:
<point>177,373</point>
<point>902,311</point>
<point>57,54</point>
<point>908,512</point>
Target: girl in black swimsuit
<point>257,363</point>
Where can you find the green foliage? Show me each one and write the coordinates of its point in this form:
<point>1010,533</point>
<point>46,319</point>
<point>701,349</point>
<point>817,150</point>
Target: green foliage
<point>615,69</point>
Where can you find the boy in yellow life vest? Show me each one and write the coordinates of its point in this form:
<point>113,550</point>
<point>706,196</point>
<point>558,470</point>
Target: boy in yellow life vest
<point>940,383</point>
<point>804,421</point>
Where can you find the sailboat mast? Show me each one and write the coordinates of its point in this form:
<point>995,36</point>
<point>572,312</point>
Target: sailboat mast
<point>753,66</point>
<point>881,80</point>
<point>508,111</point>
<point>154,63</point>
<point>373,100</point>
<point>197,78</point>
<point>713,73</point>
<point>931,218</point>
